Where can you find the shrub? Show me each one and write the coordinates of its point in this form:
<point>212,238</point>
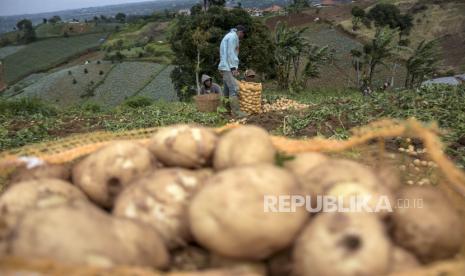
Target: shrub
<point>86,71</point>
<point>100,73</point>
<point>70,73</point>
<point>25,106</point>
<point>92,107</point>
<point>74,81</point>
<point>99,62</point>
<point>136,102</point>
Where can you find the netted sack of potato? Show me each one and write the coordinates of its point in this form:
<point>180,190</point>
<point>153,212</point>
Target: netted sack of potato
<point>81,234</point>
<point>184,146</point>
<point>228,215</point>
<point>250,97</point>
<point>245,145</point>
<point>160,200</point>
<point>427,224</point>
<point>347,179</point>
<point>105,173</point>
<point>352,243</point>
<point>62,172</point>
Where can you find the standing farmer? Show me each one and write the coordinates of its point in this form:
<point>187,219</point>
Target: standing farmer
<point>229,67</point>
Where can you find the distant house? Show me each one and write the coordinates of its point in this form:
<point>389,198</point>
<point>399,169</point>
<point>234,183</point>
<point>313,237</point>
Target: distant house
<point>186,12</point>
<point>254,12</point>
<point>274,9</point>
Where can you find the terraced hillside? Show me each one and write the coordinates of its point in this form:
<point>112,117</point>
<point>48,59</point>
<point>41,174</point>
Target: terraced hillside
<point>103,83</point>
<point>45,54</point>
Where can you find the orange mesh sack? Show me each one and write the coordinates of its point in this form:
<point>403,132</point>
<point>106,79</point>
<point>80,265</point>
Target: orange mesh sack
<point>416,157</point>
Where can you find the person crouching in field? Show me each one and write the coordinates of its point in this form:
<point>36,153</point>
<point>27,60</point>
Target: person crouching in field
<point>208,86</point>
<point>229,67</point>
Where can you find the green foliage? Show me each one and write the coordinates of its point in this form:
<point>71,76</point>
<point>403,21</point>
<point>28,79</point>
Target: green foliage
<point>25,106</point>
<point>292,52</point>
<point>54,19</point>
<point>214,24</point>
<point>422,63</point>
<point>390,15</point>
<point>136,102</point>
<point>121,17</point>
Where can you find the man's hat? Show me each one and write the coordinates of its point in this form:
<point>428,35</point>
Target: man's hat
<point>250,73</point>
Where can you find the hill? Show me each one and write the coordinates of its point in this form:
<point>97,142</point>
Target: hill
<point>443,20</point>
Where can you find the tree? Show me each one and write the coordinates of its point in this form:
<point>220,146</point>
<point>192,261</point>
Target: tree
<point>357,16</point>
<point>44,20</point>
<point>24,24</point>
<point>292,51</point>
<point>55,19</point>
<point>200,39</point>
<point>390,15</point>
<point>28,33</point>
<point>422,63</point>
<point>377,52</point>
<point>216,21</point>
<point>196,9</point>
<point>121,17</point>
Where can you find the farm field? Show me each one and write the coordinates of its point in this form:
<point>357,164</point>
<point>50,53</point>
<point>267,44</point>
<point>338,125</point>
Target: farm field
<point>126,80</point>
<point>9,50</point>
<point>99,82</point>
<point>44,54</point>
<point>58,29</point>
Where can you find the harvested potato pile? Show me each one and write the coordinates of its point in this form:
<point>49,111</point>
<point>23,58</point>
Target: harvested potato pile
<point>284,104</point>
<point>192,199</point>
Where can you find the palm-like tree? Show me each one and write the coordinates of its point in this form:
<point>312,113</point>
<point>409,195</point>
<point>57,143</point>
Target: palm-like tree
<point>423,63</point>
<point>381,48</point>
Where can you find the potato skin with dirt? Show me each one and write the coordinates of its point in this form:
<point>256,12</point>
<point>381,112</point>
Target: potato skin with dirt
<point>342,244</point>
<point>81,234</point>
<point>161,200</point>
<point>105,173</point>
<point>245,145</point>
<point>228,215</point>
<point>432,232</point>
<point>62,172</point>
<point>184,146</point>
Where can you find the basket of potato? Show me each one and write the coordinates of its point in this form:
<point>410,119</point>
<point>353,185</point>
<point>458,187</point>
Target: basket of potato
<point>250,97</point>
<point>190,201</point>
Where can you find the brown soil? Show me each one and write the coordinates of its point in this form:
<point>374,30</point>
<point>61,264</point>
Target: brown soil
<point>270,120</point>
<point>454,49</point>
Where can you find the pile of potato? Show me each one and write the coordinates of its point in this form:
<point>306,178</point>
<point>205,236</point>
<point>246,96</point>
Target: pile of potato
<point>283,104</point>
<point>250,97</point>
<point>192,199</point>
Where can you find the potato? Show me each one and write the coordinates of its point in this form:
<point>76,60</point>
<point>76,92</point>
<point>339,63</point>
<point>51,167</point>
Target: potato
<point>105,173</point>
<point>81,234</point>
<point>342,244</point>
<point>381,200</point>
<point>160,200</point>
<point>280,263</point>
<point>217,261</point>
<point>402,260</point>
<point>389,177</point>
<point>321,178</point>
<point>245,145</point>
<point>189,258</point>
<point>304,162</point>
<point>426,224</point>
<point>184,146</point>
<point>41,193</point>
<point>62,172</point>
<point>228,215</point>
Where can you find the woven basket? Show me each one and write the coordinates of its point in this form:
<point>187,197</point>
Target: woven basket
<point>72,148</point>
<point>207,102</point>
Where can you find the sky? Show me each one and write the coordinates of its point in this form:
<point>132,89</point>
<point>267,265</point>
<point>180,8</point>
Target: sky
<point>15,7</point>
